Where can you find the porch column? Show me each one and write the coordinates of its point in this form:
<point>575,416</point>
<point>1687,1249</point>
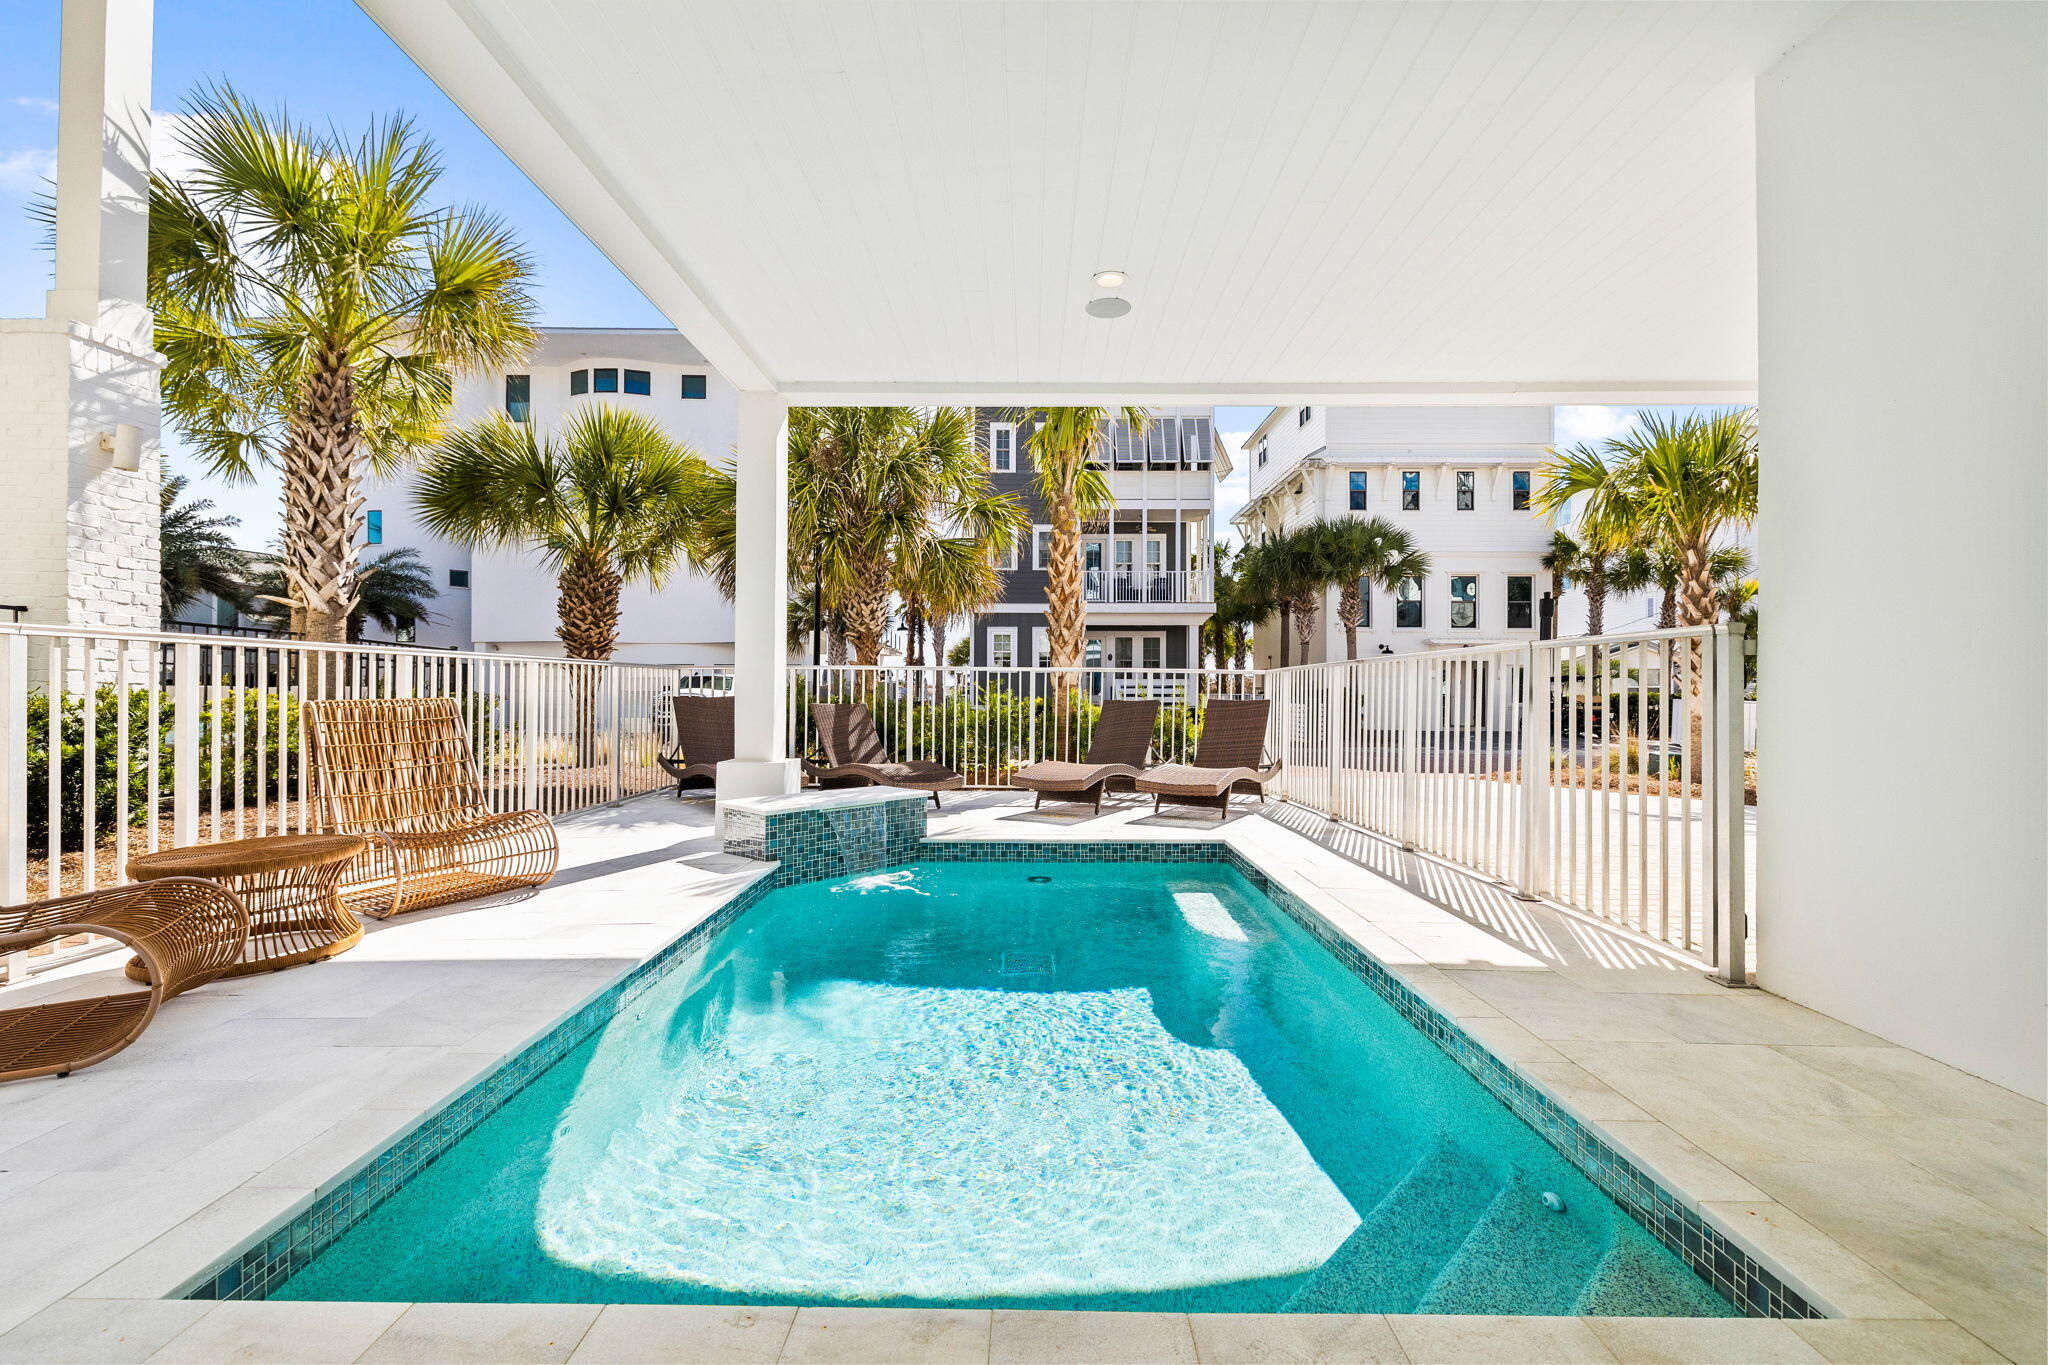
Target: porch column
<point>761,765</point>
<point>1902,234</point>
<point>102,217</point>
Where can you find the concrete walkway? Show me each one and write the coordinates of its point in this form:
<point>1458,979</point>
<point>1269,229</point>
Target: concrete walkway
<point>1907,1196</point>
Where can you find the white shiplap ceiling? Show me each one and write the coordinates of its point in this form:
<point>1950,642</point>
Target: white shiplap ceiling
<point>852,198</point>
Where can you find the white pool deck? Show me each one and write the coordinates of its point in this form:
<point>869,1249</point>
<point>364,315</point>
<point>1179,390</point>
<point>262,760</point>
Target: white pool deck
<point>1907,1196</point>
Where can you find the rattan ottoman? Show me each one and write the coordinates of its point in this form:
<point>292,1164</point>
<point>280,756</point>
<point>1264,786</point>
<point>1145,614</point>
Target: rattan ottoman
<point>291,884</point>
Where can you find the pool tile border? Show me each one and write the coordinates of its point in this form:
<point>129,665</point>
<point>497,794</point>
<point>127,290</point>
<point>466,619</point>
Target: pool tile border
<point>262,1266</point>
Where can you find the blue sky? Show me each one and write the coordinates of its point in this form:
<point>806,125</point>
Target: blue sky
<point>328,63</point>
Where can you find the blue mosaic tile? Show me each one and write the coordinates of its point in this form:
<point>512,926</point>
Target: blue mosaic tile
<point>805,845</point>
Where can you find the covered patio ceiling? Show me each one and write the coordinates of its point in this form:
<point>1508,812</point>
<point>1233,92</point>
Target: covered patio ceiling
<point>855,201</point>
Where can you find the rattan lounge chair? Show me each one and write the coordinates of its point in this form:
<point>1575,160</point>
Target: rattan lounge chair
<point>400,772</point>
<point>1116,755</point>
<point>703,740</point>
<point>1230,757</point>
<point>856,756</point>
<point>186,931</point>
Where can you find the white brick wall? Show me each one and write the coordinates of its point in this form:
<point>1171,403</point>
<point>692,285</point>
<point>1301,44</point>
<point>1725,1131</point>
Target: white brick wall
<point>79,543</point>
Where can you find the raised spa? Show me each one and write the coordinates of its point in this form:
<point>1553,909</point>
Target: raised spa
<point>1067,1085</point>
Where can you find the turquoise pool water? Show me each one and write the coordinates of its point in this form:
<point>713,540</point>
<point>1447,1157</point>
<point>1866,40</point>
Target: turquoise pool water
<point>1099,1085</point>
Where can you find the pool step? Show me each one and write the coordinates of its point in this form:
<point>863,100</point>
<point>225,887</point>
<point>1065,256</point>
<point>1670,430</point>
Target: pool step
<point>1520,1257</point>
<point>1383,1266</point>
<point>1630,1281</point>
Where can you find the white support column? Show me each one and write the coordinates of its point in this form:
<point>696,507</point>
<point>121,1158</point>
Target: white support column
<point>761,765</point>
<point>1903,266</point>
<point>102,220</point>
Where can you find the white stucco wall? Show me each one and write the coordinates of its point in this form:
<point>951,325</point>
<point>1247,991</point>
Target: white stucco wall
<point>1903,230</point>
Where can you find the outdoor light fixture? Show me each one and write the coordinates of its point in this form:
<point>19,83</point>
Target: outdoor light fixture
<point>1110,279</point>
<point>1108,308</point>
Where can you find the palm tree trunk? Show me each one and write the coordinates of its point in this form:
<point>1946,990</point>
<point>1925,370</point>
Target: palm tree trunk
<point>1596,603</point>
<point>1349,607</point>
<point>1305,615</point>
<point>323,502</point>
<point>1667,610</point>
<point>913,629</point>
<point>1286,630</point>
<point>1066,625</point>
<point>1696,604</point>
<point>865,619</point>
<point>588,607</point>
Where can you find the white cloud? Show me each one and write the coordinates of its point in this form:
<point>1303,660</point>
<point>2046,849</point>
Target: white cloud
<point>28,170</point>
<point>37,103</point>
<point>1581,425</point>
<point>1232,493</point>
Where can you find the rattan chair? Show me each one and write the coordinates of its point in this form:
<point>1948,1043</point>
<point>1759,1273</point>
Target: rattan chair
<point>703,740</point>
<point>856,756</point>
<point>400,772</point>
<point>186,931</point>
<point>1116,754</point>
<point>1229,757</point>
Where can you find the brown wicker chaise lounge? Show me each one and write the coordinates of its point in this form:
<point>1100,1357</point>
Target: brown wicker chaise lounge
<point>186,931</point>
<point>856,756</point>
<point>703,740</point>
<point>400,772</point>
<point>1229,757</point>
<point>1116,755</point>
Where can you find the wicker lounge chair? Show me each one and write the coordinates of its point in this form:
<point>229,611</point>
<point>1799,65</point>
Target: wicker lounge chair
<point>400,772</point>
<point>1230,757</point>
<point>185,930</point>
<point>703,740</point>
<point>855,755</point>
<point>1116,755</point>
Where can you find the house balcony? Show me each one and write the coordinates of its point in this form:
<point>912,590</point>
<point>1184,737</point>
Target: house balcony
<point>1149,587</point>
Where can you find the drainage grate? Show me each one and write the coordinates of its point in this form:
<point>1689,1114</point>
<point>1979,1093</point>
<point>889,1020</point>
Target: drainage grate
<point>1027,964</point>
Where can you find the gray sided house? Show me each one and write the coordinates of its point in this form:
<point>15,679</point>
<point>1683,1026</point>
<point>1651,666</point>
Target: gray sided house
<point>1147,564</point>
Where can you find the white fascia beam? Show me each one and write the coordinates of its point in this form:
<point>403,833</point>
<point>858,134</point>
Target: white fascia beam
<point>459,51</point>
<point>1561,392</point>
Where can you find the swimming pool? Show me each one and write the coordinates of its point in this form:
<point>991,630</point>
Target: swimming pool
<point>1064,1085</point>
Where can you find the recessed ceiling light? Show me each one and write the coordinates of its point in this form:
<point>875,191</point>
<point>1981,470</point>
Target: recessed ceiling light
<point>1108,308</point>
<point>1110,279</point>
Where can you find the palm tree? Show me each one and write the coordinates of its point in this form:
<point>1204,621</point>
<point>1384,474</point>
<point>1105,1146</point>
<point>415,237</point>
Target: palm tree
<point>883,503</point>
<point>1568,563</point>
<point>1357,551</point>
<point>1604,527</point>
<point>1227,632</point>
<point>312,303</point>
<point>1066,445</point>
<point>613,500</point>
<point>1686,482</point>
<point>395,588</point>
<point>197,555</point>
<point>1291,576</point>
<point>1657,566</point>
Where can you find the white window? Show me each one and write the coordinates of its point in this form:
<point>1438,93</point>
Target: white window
<point>1464,601</point>
<point>1002,648</point>
<point>1006,556</point>
<point>1002,447</point>
<point>1041,546</point>
<point>1041,647</point>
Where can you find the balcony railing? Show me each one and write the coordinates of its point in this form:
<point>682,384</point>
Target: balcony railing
<point>1141,586</point>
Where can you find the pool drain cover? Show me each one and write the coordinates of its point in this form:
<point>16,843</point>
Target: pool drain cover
<point>1038,879</point>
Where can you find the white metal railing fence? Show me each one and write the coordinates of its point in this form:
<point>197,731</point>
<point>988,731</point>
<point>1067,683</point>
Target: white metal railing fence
<point>988,722</point>
<point>1605,773</point>
<point>119,742</point>
<point>1124,583</point>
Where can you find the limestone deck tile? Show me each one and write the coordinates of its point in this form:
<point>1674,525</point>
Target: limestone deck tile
<point>902,1336</point>
<point>1512,1043</point>
<point>166,1265</point>
<point>1878,1342</point>
<point>1295,1339</point>
<point>1746,1078</point>
<point>2002,1162</point>
<point>1480,1340</point>
<point>1703,1341</point>
<point>1677,1164</point>
<point>484,1333</point>
<point>657,1334</point>
<point>1917,1085</point>
<point>71,1332</point>
<point>261,1333</point>
<point>1556,1010</point>
<point>1030,1337</point>
<point>1839,1281</point>
<point>1580,1091</point>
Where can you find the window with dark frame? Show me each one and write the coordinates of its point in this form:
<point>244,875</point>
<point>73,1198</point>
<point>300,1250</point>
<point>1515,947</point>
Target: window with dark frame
<point>1301,418</point>
<point>604,381</point>
<point>693,386</point>
<point>1521,490</point>
<point>1466,480</point>
<point>519,397</point>
<point>1521,601</point>
<point>579,382</point>
<point>1408,604</point>
<point>1365,604</point>
<point>1464,601</point>
<point>1357,490</point>
<point>1411,490</point>
<point>458,578</point>
<point>639,381</point>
